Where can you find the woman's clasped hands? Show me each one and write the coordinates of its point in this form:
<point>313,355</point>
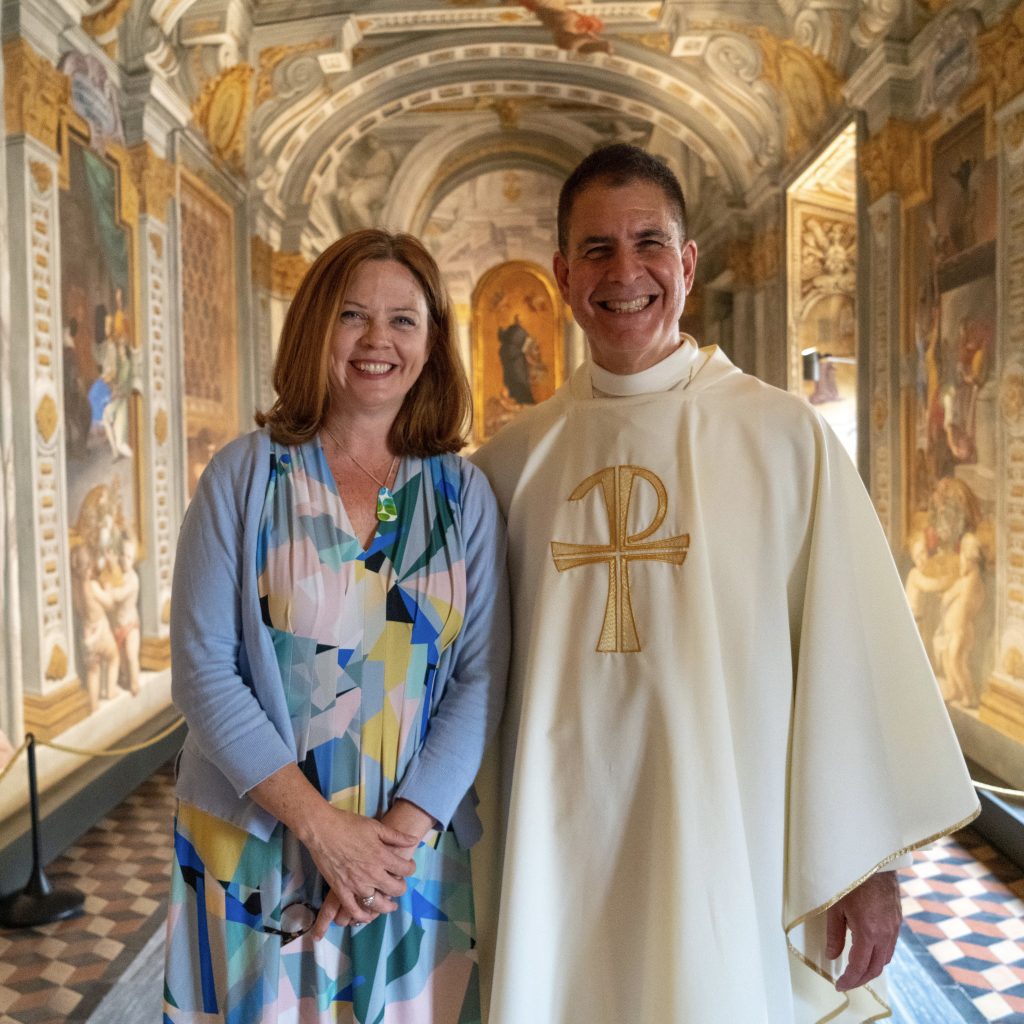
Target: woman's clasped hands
<point>364,863</point>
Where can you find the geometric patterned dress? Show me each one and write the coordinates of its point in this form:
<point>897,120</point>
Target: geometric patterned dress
<point>358,634</point>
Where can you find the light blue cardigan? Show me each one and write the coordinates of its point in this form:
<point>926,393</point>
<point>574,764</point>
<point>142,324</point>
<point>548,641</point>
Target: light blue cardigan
<point>224,673</point>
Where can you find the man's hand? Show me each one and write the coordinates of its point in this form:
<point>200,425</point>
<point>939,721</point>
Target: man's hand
<point>873,914</point>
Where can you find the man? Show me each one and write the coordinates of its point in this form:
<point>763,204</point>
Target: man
<point>725,730</point>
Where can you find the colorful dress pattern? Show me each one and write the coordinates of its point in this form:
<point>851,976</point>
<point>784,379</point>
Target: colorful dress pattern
<point>358,634</point>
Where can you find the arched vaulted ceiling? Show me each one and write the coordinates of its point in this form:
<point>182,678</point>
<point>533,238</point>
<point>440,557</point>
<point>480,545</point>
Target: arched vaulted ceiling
<point>378,111</point>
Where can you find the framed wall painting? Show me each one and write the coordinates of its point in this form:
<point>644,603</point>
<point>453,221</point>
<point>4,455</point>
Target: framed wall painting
<point>101,378</point>
<point>951,411</point>
<point>517,343</point>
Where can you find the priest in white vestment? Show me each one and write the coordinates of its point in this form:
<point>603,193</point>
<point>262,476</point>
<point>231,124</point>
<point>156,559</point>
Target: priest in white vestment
<point>723,731</point>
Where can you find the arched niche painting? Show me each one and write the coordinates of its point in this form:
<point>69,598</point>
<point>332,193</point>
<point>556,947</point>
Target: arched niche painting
<point>102,364</point>
<point>517,344</point>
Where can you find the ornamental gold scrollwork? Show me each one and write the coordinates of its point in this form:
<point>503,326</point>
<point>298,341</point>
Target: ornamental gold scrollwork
<point>57,666</point>
<point>287,271</point>
<point>155,181</point>
<point>1011,399</point>
<point>270,58</point>
<point>36,94</point>
<point>102,25</point>
<point>222,113</point>
<point>893,161</point>
<point>160,426</point>
<point>808,89</point>
<point>41,175</point>
<point>47,418</point>
<point>1001,57</point>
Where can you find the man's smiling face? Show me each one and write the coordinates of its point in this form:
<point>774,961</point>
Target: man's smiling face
<point>626,273</point>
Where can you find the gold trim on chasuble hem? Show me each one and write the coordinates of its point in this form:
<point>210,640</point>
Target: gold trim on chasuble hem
<point>887,1010</point>
<point>618,631</point>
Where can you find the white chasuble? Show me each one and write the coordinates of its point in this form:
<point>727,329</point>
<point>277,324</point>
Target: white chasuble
<point>721,715</point>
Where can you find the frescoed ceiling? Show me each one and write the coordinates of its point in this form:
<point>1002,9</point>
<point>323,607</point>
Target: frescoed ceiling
<point>349,113</point>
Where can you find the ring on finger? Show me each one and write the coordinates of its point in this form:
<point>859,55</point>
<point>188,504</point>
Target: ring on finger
<point>367,901</point>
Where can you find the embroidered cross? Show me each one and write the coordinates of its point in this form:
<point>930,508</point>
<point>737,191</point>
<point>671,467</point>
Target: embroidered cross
<point>618,633</point>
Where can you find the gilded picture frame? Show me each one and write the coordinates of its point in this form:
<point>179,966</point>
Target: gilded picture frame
<point>518,343</point>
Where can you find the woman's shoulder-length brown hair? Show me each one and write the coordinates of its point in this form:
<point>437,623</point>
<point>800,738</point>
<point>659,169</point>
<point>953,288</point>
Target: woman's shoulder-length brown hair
<point>436,413</point>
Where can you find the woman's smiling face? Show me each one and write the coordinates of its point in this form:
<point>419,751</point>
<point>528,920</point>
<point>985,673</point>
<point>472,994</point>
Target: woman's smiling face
<point>381,340</point>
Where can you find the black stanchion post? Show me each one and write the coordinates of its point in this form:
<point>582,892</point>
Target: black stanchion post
<point>38,902</point>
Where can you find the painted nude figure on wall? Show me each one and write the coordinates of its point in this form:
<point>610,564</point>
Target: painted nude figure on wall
<point>956,635</point>
<point>99,648</point>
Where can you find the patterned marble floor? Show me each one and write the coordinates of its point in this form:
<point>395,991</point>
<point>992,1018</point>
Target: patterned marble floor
<point>60,972</point>
<point>961,960</point>
<point>964,910</point>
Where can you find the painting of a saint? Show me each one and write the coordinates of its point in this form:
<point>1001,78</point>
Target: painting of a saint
<point>517,344</point>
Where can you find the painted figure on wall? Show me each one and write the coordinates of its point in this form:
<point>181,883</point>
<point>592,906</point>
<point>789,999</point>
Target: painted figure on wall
<point>956,636</point>
<point>517,343</point>
<point>521,362</point>
<point>952,494</point>
<point>100,377</point>
<point>106,595</point>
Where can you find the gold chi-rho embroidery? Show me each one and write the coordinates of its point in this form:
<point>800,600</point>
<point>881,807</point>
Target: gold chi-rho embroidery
<point>618,633</point>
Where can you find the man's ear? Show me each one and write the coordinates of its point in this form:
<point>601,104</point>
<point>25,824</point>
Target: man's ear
<point>561,268</point>
<point>689,260</point>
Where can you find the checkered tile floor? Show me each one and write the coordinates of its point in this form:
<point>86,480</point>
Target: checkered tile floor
<point>964,905</point>
<point>963,902</point>
<point>60,972</point>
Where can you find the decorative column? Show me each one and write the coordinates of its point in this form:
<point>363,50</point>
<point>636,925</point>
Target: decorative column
<point>891,163</point>
<point>262,254</point>
<point>1002,704</point>
<point>154,180</point>
<point>755,271</point>
<point>35,95</point>
<point>10,611</point>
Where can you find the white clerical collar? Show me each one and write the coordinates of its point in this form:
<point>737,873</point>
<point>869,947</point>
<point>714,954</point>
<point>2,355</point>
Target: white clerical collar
<point>676,368</point>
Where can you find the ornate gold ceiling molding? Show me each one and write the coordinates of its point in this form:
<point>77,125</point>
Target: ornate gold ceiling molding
<point>222,113</point>
<point>102,25</point>
<point>309,138</point>
<point>155,180</point>
<point>1001,58</point>
<point>268,60</point>
<point>893,160</point>
<point>287,269</point>
<point>36,94</point>
<point>755,261</point>
<point>808,88</point>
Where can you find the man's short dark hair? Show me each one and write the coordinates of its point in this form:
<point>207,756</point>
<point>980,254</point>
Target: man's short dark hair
<point>615,165</point>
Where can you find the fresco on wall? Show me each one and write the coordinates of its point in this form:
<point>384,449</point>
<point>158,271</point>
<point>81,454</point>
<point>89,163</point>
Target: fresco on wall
<point>101,365</point>
<point>517,344</point>
<point>208,325</point>
<point>951,500</point>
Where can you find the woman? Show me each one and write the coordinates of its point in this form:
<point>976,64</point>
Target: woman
<point>339,643</point>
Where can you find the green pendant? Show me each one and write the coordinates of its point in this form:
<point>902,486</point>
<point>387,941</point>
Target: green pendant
<point>387,510</point>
